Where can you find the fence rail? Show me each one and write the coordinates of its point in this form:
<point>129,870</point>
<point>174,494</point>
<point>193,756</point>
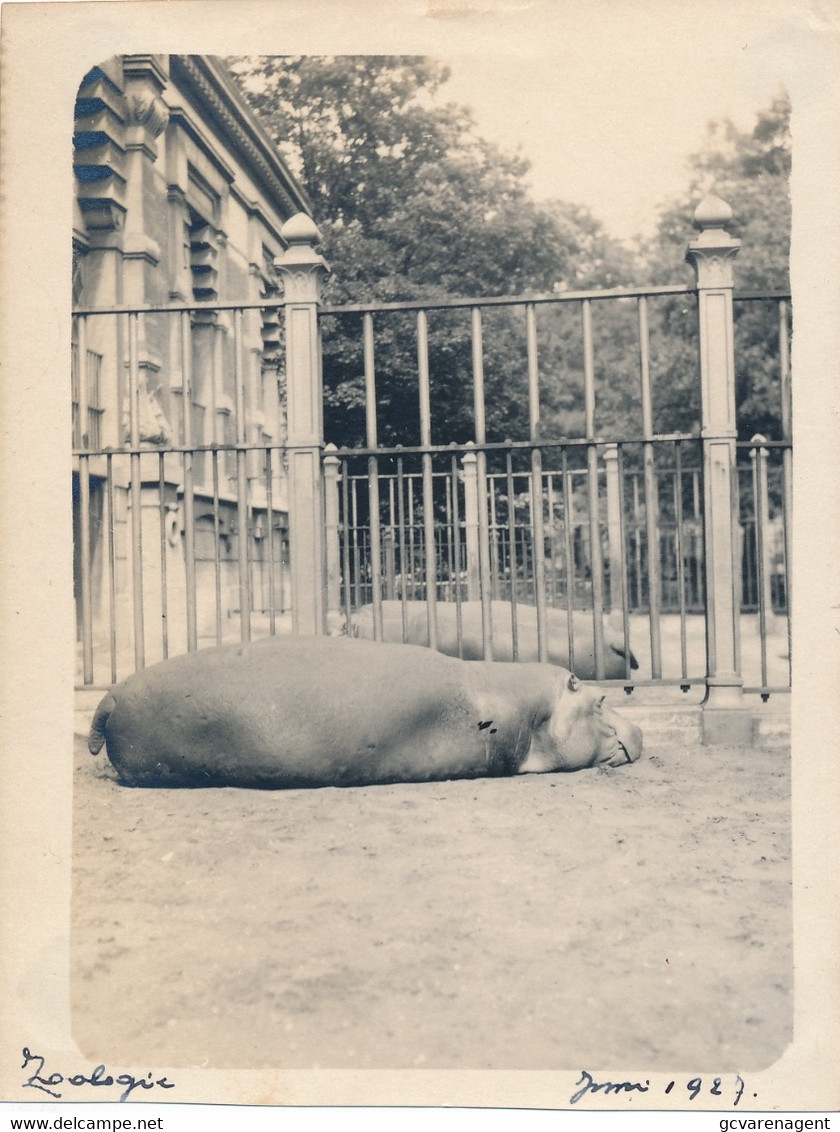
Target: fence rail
<point>191,514</point>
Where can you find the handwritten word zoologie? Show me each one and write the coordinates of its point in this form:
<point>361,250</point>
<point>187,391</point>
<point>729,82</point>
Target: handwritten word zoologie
<point>99,1078</point>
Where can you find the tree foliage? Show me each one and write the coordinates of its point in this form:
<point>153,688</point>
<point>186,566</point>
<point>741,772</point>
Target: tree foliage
<point>750,171</point>
<point>413,204</point>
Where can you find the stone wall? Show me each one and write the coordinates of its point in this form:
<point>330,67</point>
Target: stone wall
<point>180,198</point>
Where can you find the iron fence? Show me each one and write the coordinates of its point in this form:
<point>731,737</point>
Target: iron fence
<point>184,517</point>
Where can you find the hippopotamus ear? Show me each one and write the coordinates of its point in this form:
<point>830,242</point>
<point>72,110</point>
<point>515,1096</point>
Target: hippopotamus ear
<point>573,683</point>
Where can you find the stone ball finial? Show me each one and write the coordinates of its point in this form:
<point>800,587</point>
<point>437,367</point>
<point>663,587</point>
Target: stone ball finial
<point>712,212</point>
<point>300,229</point>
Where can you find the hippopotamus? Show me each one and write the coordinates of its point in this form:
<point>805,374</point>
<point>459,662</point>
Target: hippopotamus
<point>617,661</point>
<point>330,711</point>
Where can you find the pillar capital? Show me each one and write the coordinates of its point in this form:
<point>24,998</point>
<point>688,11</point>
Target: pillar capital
<point>302,268</point>
<point>711,253</point>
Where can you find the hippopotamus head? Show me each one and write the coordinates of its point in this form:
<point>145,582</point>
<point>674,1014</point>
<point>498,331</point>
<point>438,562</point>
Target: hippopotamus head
<point>582,731</point>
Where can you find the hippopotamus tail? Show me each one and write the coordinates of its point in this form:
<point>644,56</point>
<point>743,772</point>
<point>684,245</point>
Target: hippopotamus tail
<point>97,727</point>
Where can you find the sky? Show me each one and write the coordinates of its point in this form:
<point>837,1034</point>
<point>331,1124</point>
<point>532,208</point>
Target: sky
<point>619,146</point>
<point>606,98</point>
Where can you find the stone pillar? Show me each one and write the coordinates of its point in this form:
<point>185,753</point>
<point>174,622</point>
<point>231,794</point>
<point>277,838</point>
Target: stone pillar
<point>711,255</point>
<point>470,476</point>
<point>302,270</point>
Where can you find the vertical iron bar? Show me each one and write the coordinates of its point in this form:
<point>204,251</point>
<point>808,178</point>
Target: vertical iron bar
<point>595,554</point>
<point>189,493</point>
<point>428,494</point>
<point>625,584</point>
<point>493,533</point>
<point>112,566</point>
<point>450,560</point>
<point>410,493</point>
<point>700,512</point>
<point>217,547</point>
<point>136,493</point>
<point>373,479</point>
<point>537,504</point>
<point>456,528</point>
<point>269,518</point>
<point>637,542</point>
<point>84,559</point>
<point>748,566</point>
<point>357,562</point>
<point>678,515</point>
<point>787,456</point>
<point>761,509</point>
<point>82,379</point>
<point>345,546</point>
<point>242,508</point>
<point>596,559</point>
<point>514,619</point>
<point>164,602</point>
<point>650,494</point>
<point>391,565</point>
<point>401,489</point>
<point>364,539</point>
<point>481,483</point>
<point>568,534</point>
<point>551,540</point>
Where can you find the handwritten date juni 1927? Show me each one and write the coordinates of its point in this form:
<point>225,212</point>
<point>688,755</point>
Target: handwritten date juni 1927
<point>588,1086</point>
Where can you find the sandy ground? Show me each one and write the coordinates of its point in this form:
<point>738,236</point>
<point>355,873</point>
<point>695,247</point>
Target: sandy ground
<point>631,917</point>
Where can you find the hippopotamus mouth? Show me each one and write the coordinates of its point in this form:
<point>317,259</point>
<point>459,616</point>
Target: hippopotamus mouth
<point>627,756</point>
<point>622,751</point>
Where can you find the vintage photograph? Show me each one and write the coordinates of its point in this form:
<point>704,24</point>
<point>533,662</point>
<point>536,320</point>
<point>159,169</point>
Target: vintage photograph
<point>429,468</point>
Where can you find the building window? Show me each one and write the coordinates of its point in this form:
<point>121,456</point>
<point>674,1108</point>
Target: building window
<point>89,436</point>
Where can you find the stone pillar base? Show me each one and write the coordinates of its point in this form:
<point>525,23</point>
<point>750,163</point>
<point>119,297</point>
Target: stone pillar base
<point>725,716</point>
<point>730,727</point>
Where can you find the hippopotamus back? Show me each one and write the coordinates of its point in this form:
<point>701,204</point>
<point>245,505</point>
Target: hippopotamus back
<point>408,621</point>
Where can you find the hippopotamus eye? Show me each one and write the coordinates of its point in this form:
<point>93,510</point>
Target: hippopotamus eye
<point>574,683</point>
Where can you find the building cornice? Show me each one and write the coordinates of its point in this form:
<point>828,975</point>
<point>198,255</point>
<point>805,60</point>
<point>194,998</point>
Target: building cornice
<point>214,93</point>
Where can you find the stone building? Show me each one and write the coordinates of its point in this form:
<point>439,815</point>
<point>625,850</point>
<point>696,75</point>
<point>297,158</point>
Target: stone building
<point>180,197</point>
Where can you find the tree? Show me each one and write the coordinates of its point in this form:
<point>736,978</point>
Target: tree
<point>414,205</point>
<point>750,171</point>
